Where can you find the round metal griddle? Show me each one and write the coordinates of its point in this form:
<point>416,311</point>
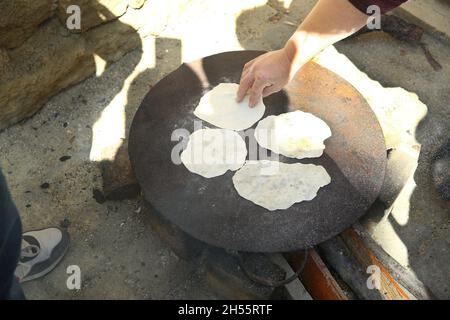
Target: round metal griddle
<point>210,209</point>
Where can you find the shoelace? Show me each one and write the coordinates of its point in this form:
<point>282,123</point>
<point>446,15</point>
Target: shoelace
<point>29,250</point>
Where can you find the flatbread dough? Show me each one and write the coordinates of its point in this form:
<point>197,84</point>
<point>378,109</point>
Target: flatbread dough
<point>294,134</point>
<point>277,186</point>
<point>212,152</point>
<point>219,108</point>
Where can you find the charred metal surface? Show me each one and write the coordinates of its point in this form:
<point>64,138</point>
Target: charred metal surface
<point>210,209</point>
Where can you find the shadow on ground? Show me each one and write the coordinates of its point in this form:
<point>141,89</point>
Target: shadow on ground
<point>119,257</point>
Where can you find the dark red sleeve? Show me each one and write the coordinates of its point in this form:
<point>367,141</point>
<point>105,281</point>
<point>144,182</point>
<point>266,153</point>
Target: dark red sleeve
<point>385,5</point>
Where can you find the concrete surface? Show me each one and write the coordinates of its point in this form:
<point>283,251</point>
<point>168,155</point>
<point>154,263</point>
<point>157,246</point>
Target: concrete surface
<point>118,255</point>
<point>117,252</point>
<point>417,231</point>
<point>433,13</point>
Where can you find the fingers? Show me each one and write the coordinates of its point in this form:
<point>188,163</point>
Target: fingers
<point>245,73</point>
<point>244,85</point>
<point>248,65</point>
<point>269,90</point>
<point>256,92</point>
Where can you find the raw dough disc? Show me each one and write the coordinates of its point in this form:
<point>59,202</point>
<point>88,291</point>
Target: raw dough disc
<point>219,108</point>
<point>276,185</point>
<point>294,134</point>
<point>211,152</point>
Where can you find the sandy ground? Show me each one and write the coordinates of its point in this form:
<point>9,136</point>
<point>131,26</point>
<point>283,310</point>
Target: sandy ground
<point>117,252</point>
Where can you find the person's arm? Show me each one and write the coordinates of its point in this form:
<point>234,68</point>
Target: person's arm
<point>329,22</point>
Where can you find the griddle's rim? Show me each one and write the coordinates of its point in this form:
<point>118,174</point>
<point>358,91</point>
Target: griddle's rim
<point>289,249</point>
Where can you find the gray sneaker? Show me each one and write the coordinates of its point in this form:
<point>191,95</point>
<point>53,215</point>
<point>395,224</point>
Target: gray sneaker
<point>41,251</point>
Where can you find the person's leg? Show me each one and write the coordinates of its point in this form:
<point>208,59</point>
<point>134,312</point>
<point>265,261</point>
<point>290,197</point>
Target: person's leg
<point>10,242</point>
<point>28,256</point>
<point>16,292</point>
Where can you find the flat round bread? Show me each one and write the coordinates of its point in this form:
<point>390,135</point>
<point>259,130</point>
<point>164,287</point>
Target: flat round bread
<point>277,186</point>
<point>219,108</point>
<point>212,152</point>
<point>294,134</point>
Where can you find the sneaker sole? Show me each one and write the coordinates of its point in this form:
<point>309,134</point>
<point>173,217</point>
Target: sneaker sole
<point>54,264</point>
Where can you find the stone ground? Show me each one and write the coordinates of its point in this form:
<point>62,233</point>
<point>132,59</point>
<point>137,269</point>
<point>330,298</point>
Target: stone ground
<point>119,255</point>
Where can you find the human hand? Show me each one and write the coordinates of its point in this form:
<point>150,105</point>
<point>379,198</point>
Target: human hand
<point>265,75</point>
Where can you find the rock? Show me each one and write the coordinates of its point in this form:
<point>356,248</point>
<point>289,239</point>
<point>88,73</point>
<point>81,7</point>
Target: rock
<point>50,61</point>
<point>153,17</point>
<point>34,75</point>
<point>20,18</point>
<point>98,196</point>
<point>37,72</point>
<point>136,4</point>
<point>119,182</point>
<point>441,171</point>
<point>45,185</point>
<point>111,41</point>
<point>93,13</point>
<point>4,60</point>
<point>64,158</point>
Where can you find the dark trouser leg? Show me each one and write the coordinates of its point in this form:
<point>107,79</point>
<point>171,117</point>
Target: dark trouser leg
<point>10,241</point>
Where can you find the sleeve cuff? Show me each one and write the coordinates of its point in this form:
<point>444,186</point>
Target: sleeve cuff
<point>385,5</point>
